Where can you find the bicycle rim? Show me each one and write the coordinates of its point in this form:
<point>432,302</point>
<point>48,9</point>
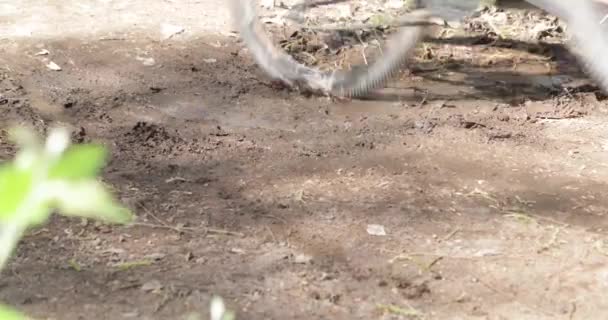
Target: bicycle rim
<point>591,45</point>
<point>357,81</point>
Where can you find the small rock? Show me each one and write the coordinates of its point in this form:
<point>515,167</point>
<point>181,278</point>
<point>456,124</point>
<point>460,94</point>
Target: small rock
<point>42,52</point>
<point>152,286</point>
<point>237,251</point>
<point>302,259</point>
<point>175,179</point>
<point>376,230</point>
<point>53,66</point>
<point>132,314</point>
<point>113,250</point>
<point>267,4</point>
<point>146,61</point>
<point>394,4</point>
<point>155,256</point>
<point>189,256</point>
<point>503,117</point>
<point>168,30</point>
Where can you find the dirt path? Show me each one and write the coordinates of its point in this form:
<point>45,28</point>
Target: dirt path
<point>485,164</point>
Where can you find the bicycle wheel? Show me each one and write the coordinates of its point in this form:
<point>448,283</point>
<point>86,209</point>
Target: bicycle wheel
<point>345,83</point>
<point>583,24</point>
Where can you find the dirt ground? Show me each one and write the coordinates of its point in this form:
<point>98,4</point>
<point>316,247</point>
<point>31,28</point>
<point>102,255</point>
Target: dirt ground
<point>484,161</point>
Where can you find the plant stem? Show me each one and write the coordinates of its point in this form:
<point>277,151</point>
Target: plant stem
<point>10,234</point>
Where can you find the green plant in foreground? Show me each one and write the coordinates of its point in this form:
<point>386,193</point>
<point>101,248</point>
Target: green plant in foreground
<point>8,314</point>
<point>55,176</point>
<point>49,176</point>
<point>218,310</point>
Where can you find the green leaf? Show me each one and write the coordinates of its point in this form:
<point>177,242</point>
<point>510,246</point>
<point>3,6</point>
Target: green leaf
<point>79,162</point>
<point>87,199</point>
<point>38,213</point>
<point>229,315</point>
<point>9,314</point>
<point>15,186</point>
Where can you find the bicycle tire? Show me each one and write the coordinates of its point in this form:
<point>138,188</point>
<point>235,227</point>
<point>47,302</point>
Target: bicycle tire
<point>583,25</point>
<point>581,17</point>
<point>344,83</point>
